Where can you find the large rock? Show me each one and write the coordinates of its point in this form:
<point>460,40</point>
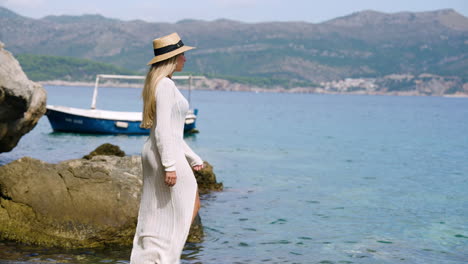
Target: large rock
<point>75,203</point>
<point>22,102</point>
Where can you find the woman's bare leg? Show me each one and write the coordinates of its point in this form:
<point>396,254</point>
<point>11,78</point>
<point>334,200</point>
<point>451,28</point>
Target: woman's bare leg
<point>196,207</point>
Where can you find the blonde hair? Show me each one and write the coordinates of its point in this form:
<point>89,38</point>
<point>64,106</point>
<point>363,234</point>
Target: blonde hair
<point>156,73</point>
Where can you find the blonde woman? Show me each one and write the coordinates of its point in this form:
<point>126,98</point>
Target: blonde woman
<point>169,200</point>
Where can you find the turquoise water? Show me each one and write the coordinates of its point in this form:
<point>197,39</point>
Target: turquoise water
<point>308,178</point>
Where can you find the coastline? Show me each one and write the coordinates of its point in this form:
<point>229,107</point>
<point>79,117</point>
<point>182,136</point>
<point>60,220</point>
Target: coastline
<point>223,85</point>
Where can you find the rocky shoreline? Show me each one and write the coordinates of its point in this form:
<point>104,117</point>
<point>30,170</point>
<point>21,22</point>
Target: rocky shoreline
<point>80,203</point>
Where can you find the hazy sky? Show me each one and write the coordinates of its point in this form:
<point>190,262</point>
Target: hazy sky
<point>242,10</point>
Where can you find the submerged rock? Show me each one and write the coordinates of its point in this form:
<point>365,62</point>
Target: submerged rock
<point>196,231</point>
<point>22,102</point>
<point>75,203</point>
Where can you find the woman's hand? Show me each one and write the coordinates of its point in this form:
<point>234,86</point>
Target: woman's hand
<point>171,178</point>
<point>197,167</point>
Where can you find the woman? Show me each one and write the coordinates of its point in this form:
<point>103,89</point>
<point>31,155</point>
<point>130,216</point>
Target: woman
<point>169,200</point>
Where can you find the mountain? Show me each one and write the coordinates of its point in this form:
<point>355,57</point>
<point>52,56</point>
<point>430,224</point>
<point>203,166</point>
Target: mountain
<point>365,44</point>
<point>445,17</point>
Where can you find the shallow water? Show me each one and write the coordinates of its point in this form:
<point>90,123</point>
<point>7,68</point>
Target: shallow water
<point>308,178</point>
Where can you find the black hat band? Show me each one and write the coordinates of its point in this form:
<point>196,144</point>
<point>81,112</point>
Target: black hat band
<point>167,49</point>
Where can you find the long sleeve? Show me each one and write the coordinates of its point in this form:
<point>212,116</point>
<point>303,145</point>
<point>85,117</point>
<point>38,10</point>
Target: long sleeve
<point>192,158</point>
<point>165,101</point>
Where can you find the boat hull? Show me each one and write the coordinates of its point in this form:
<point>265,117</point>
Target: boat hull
<point>66,121</point>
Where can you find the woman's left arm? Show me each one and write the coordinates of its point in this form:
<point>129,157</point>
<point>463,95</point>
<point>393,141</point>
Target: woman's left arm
<point>194,160</point>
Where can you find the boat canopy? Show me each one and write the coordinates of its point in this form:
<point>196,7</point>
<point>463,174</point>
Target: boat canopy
<point>138,77</point>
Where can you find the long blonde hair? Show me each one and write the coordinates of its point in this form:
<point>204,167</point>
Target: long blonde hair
<point>156,73</point>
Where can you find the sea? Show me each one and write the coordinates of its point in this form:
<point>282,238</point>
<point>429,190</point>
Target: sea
<point>309,178</point>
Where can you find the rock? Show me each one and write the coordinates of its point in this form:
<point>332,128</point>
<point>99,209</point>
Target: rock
<point>206,180</point>
<point>76,203</point>
<point>106,150</point>
<point>196,231</point>
<point>22,102</point>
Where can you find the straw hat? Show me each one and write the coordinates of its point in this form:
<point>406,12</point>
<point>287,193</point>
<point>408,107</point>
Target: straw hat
<point>167,47</point>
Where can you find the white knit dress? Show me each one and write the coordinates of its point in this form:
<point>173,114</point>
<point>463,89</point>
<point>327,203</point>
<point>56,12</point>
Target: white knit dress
<point>165,212</point>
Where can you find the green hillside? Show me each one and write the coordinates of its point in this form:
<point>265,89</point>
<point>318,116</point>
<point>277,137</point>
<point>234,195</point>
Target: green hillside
<point>45,68</point>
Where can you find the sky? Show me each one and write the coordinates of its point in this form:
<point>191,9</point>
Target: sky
<point>251,11</point>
